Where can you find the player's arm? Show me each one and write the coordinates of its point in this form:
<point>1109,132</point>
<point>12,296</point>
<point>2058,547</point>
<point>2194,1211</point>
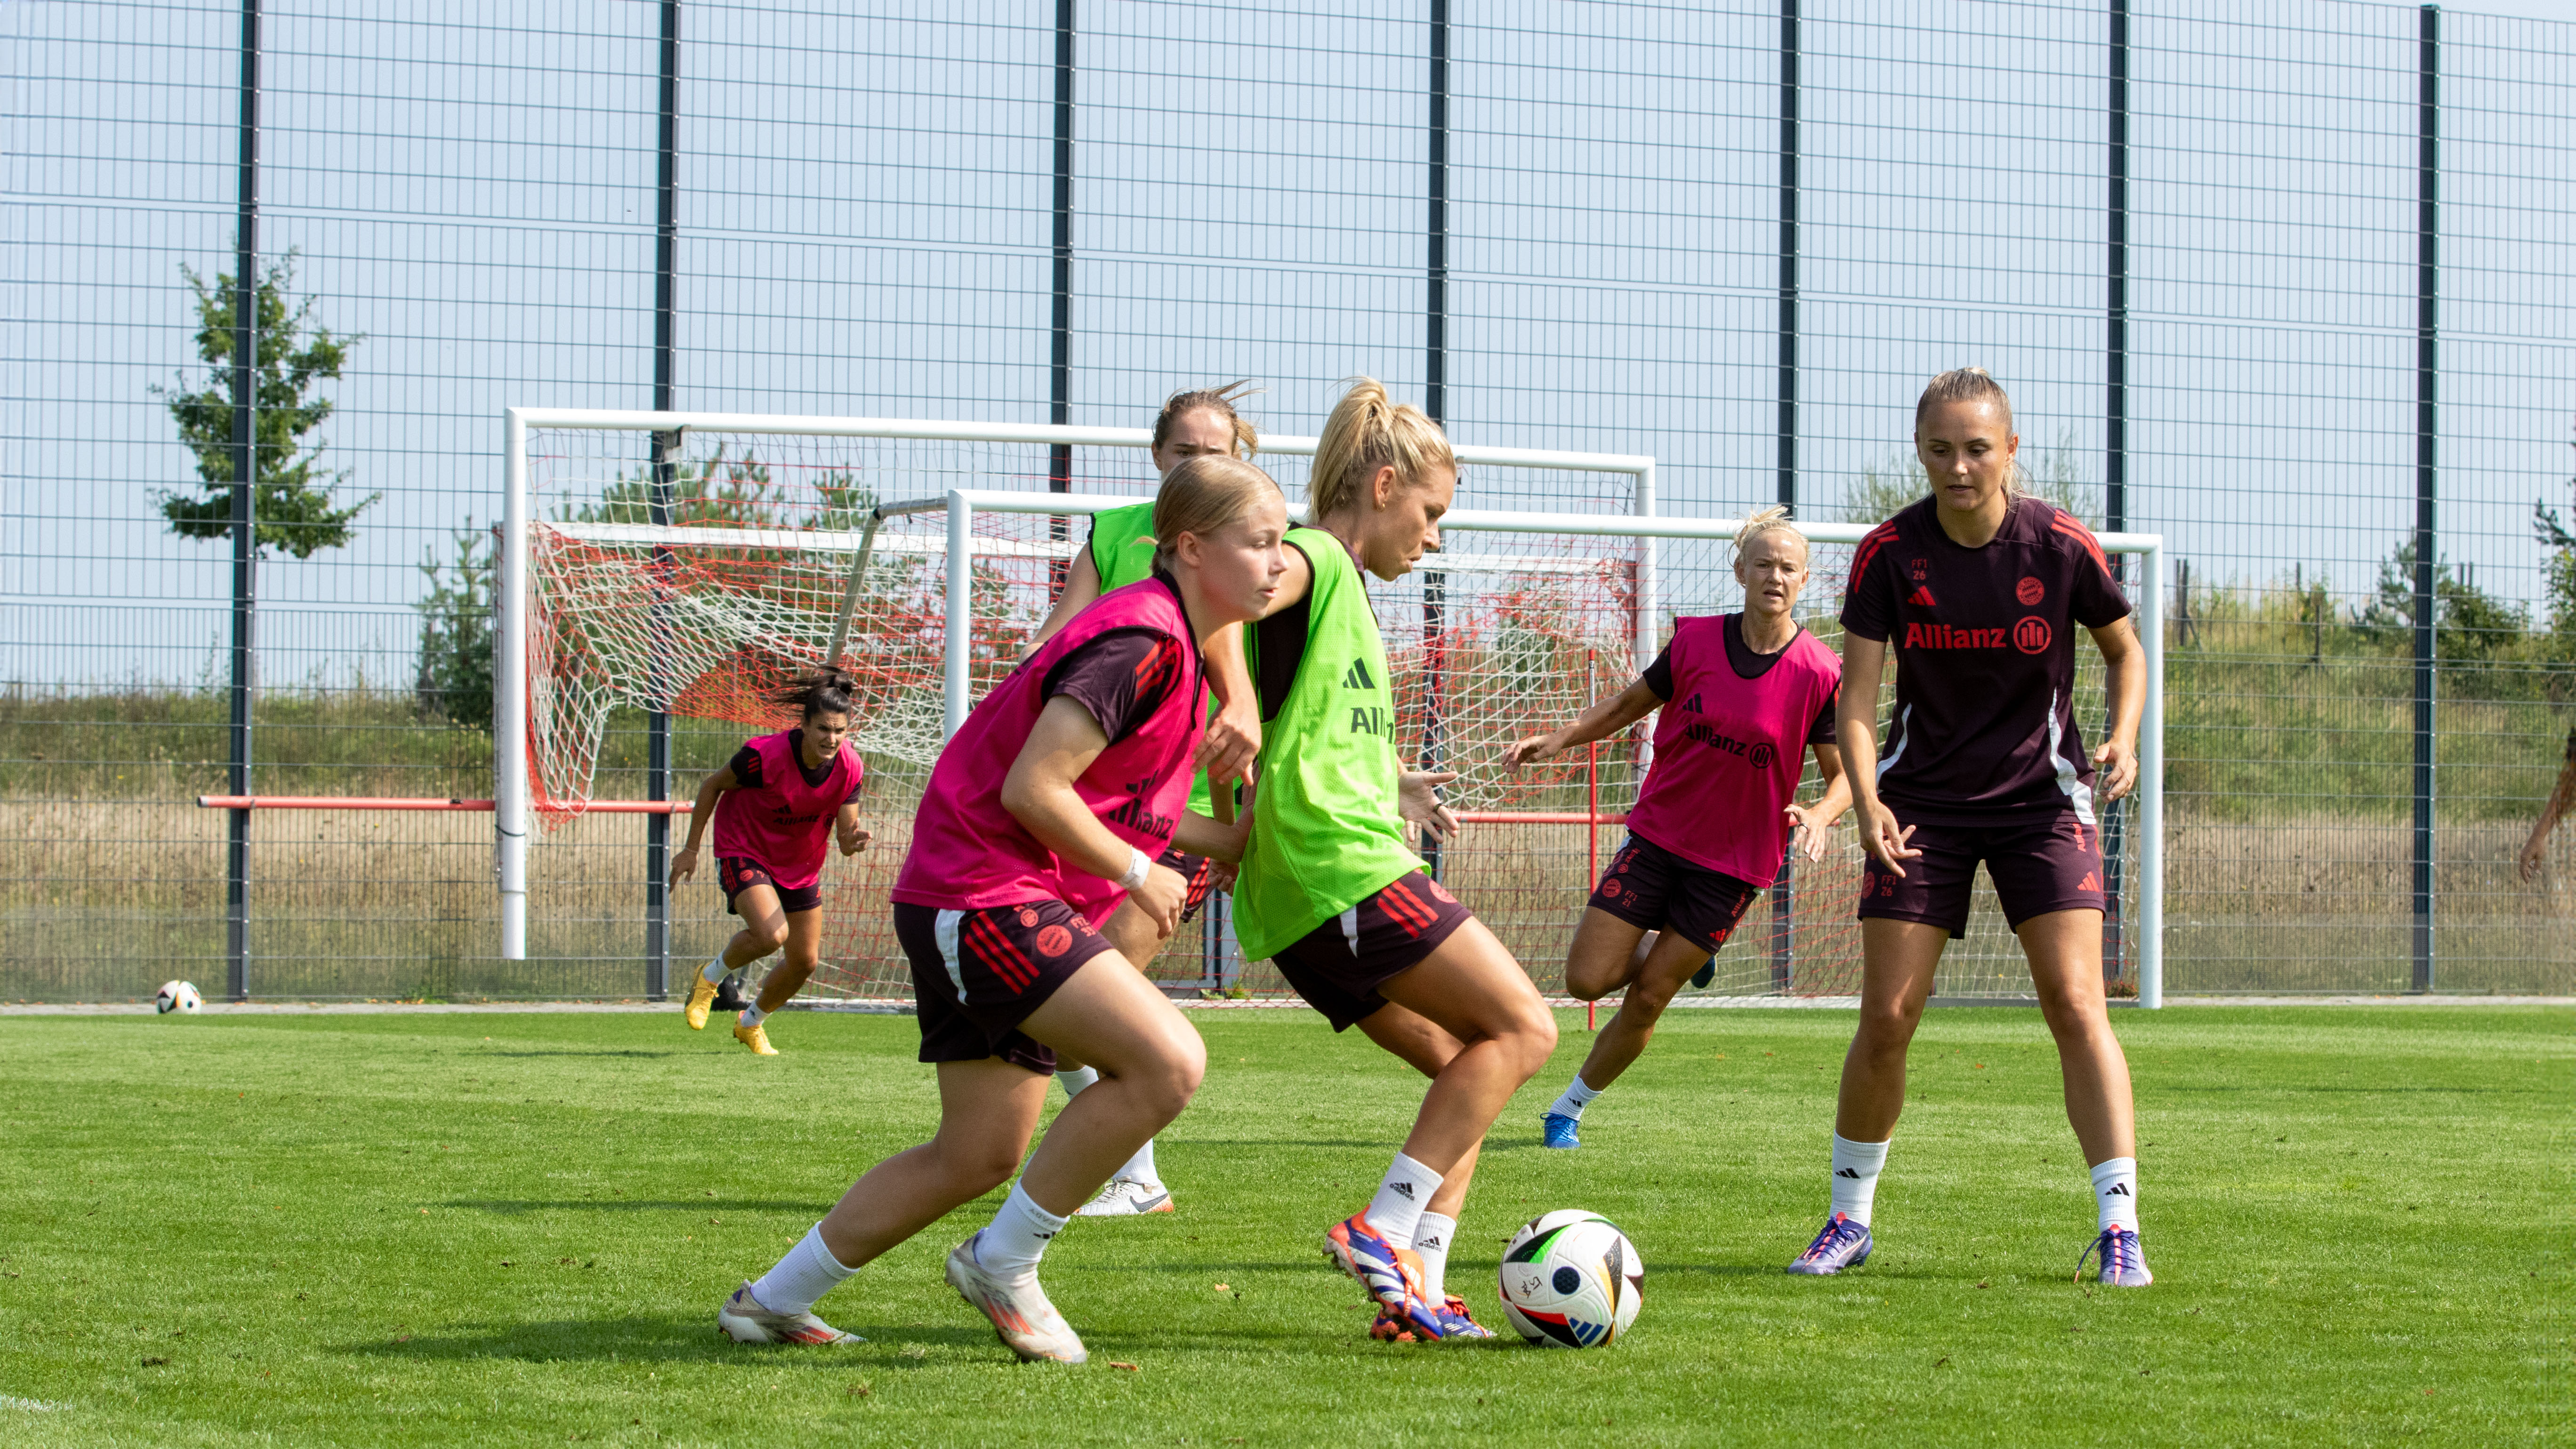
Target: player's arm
<point>1234,736</point>
<point>1196,834</point>
<point>1809,824</point>
<point>1856,728</point>
<point>1604,719</point>
<point>852,836</point>
<point>1081,590</point>
<point>1039,793</point>
<point>2126,659</point>
<point>684,863</point>
<point>2535,849</point>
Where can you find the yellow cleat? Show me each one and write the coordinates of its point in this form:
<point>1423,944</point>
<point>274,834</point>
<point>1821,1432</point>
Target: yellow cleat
<point>702,995</point>
<point>754,1038</point>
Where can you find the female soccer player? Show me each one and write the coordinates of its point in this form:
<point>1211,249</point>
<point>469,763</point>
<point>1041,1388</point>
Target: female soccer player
<point>1200,423</point>
<point>1329,890</point>
<point>1045,811</point>
<point>1744,696</point>
<point>783,797</point>
<point>1978,590</point>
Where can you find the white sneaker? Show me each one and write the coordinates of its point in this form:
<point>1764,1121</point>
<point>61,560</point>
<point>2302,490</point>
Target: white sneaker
<point>1018,1307</point>
<point>1126,1198</point>
<point>744,1321</point>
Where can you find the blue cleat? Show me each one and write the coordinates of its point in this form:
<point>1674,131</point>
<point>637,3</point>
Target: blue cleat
<point>1557,1130</point>
<point>1843,1244</point>
<point>1392,1275</point>
<point>2124,1263</point>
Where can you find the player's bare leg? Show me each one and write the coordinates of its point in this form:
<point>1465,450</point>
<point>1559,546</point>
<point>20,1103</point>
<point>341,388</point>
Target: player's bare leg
<point>1136,1189</point>
<point>2065,951</point>
<point>764,930</point>
<point>1605,956</point>
<point>1608,953</point>
<point>1669,962</point>
<point>800,933</point>
<point>1898,959</point>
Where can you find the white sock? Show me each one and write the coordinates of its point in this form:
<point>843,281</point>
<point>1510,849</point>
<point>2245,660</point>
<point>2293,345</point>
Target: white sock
<point>1856,1166</point>
<point>753,1016</point>
<point>1018,1235</point>
<point>1397,1208</point>
<point>1077,1079</point>
<point>715,971</point>
<point>1431,1239</point>
<point>1140,1168</point>
<point>1576,1098</point>
<point>2115,1193</point>
<point>807,1272</point>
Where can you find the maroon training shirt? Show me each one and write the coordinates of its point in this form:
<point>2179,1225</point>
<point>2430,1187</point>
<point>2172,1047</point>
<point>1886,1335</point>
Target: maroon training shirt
<point>1984,640</point>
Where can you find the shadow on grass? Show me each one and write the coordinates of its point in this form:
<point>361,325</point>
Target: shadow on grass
<point>600,1052</point>
<point>516,1207</point>
<point>648,1338</point>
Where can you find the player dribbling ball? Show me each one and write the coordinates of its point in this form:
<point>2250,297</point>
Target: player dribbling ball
<point>1978,590</point>
<point>1044,813</point>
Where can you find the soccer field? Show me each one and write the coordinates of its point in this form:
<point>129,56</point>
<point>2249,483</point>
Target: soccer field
<point>403,1229</point>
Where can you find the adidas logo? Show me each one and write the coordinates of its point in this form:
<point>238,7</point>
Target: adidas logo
<point>1405,1188</point>
<point>1691,705</point>
<point>1432,1242</point>
<point>2091,882</point>
<point>2119,1189</point>
<point>1851,1172</point>
<point>1357,676</point>
<point>1922,597</point>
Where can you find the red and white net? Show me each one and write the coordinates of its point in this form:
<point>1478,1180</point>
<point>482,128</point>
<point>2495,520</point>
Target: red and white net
<point>1499,636</point>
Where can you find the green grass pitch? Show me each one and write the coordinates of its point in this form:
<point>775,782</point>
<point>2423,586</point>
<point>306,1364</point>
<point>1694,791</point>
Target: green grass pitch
<point>515,1229</point>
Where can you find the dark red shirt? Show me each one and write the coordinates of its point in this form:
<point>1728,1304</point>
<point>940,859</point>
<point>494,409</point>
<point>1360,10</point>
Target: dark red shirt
<point>1122,678</point>
<point>1984,640</point>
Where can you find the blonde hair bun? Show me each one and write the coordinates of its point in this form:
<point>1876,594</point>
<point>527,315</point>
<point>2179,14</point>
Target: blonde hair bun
<point>1368,431</point>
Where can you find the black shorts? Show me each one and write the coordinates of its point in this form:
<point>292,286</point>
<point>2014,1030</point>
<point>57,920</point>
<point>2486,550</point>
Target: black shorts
<point>1653,889</point>
<point>1338,966</point>
<point>1197,870</point>
<point>2038,866</point>
<point>739,873</point>
<point>976,975</point>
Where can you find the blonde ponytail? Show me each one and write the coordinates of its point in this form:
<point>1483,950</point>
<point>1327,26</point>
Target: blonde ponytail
<point>1774,519</point>
<point>1366,432</point>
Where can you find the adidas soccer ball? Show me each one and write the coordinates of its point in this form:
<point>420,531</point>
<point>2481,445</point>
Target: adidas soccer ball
<point>1570,1280</point>
<point>178,996</point>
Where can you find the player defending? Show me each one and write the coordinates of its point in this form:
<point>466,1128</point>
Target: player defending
<point>1744,696</point>
<point>775,807</point>
<point>1330,892</point>
<point>1977,590</point>
<point>1197,424</point>
<point>1044,813</point>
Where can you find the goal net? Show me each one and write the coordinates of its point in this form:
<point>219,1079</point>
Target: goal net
<point>689,570</point>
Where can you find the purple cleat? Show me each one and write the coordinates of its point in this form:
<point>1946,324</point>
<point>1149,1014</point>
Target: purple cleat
<point>2124,1263</point>
<point>1843,1244</point>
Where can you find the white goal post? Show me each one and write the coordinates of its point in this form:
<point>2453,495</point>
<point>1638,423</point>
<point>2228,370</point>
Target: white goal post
<point>1640,526</point>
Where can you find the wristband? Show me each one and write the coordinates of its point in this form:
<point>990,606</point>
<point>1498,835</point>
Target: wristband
<point>1138,863</point>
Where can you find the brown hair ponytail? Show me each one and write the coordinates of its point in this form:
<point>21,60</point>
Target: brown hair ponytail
<point>1971,384</point>
<point>1218,400</point>
<point>818,691</point>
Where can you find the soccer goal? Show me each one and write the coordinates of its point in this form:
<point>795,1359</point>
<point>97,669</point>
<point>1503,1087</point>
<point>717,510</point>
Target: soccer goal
<point>683,563</point>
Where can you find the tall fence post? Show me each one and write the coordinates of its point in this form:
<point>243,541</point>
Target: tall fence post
<point>1435,392</point>
<point>2115,442</point>
<point>666,300</point>
<point>1060,334</point>
<point>1784,892</point>
<point>2428,177</point>
<point>245,520</point>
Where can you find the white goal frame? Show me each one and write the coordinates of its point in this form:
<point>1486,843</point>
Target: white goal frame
<point>510,763</point>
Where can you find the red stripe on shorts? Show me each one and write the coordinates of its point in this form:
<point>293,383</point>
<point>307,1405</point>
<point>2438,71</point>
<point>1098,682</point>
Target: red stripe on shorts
<point>1405,909</point>
<point>999,954</point>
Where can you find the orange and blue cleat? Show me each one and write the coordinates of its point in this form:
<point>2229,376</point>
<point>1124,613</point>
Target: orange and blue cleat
<point>1392,1275</point>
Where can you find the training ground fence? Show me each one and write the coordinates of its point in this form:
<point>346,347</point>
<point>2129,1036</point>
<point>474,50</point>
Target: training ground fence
<point>2289,293</point>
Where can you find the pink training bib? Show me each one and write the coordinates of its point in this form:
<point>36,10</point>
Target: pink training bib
<point>1729,750</point>
<point>969,853</point>
<point>782,822</point>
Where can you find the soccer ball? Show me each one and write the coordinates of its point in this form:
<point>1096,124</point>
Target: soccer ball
<point>180,997</point>
<point>1570,1280</point>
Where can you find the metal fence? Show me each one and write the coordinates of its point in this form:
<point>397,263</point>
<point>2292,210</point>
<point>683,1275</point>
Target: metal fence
<point>2294,295</point>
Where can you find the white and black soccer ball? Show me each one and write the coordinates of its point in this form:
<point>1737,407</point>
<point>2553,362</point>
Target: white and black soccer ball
<point>178,996</point>
<point>1571,1280</point>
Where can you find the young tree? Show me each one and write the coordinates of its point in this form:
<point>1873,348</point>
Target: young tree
<point>456,633</point>
<point>293,497</point>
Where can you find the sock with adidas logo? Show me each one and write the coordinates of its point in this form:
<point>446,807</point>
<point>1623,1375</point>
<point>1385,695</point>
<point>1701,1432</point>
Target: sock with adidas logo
<point>2115,1193</point>
<point>1431,1239</point>
<point>1397,1209</point>
<point>1856,1166</point>
<point>1575,1099</point>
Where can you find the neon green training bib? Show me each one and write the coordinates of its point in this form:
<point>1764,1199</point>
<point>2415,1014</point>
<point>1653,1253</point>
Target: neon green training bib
<point>1122,553</point>
<point>1325,833</point>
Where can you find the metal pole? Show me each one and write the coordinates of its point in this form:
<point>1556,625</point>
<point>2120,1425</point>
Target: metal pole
<point>1788,443</point>
<point>2115,435</point>
<point>2427,375</point>
<point>960,643</point>
<point>1060,355</point>
<point>1435,392</point>
<point>245,661</point>
<point>2151,789</point>
<point>666,278</point>
<point>510,694</point>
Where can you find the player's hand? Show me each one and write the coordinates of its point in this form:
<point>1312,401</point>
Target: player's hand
<point>853,836</point>
<point>1161,898</point>
<point>684,864</point>
<point>1531,751</point>
<point>1417,800</point>
<point>2535,851</point>
<point>1808,829</point>
<point>1885,840</point>
<point>1221,874</point>
<point>1233,739</point>
<point>2118,767</point>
